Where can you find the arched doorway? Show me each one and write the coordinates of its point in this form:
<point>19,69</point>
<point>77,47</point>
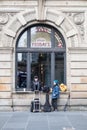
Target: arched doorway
<point>40,50</point>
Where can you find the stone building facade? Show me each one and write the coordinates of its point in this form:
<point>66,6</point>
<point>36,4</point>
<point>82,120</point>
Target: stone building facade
<point>69,18</point>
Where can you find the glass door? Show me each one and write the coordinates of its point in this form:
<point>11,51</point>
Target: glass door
<point>41,67</point>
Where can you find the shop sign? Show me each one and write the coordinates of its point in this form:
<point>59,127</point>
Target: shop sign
<point>41,43</point>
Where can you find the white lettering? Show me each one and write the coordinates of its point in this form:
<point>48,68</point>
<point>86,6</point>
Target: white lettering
<point>41,44</point>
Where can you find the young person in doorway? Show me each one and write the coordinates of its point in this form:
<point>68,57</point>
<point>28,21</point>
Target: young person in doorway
<point>55,94</point>
<point>36,85</point>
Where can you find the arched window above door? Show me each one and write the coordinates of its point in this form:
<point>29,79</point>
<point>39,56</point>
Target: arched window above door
<point>41,36</point>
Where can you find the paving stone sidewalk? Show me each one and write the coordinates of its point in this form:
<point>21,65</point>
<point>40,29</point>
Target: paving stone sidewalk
<point>43,121</point>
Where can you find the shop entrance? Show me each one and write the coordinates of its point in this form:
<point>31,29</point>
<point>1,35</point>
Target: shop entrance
<point>40,52</point>
<point>41,67</point>
<point>47,66</point>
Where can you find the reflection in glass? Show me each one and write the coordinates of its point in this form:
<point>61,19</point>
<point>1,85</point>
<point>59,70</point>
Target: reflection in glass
<point>21,70</point>
<point>59,67</point>
<point>23,40</point>
<point>40,66</point>
<point>40,37</point>
<point>58,41</point>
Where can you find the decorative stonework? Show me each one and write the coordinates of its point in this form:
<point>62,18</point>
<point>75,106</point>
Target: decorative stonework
<point>58,18</point>
<point>78,18</point>
<point>4,17</point>
<point>81,30</point>
<point>65,24</point>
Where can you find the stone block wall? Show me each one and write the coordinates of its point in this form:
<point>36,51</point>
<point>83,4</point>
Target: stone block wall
<point>70,17</point>
<point>78,78</point>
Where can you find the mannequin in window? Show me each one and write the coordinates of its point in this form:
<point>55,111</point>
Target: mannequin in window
<point>36,86</point>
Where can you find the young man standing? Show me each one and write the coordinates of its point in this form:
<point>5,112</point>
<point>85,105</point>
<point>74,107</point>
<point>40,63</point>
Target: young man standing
<point>55,94</point>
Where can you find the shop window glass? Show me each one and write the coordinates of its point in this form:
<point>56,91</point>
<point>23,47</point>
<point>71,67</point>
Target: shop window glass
<point>21,70</point>
<point>58,41</point>
<point>41,66</point>
<point>40,37</point>
<point>23,40</point>
<point>30,60</point>
<point>59,67</point>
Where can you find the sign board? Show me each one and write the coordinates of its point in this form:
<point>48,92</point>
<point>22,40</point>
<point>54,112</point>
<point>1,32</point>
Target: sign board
<point>41,43</point>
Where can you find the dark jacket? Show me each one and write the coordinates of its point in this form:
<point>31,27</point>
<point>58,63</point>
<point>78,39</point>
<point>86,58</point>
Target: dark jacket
<point>36,86</point>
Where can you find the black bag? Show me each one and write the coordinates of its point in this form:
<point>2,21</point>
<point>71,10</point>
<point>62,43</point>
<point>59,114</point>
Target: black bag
<point>47,106</point>
<point>35,105</point>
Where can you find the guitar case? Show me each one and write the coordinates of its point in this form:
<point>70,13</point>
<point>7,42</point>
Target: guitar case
<point>47,106</point>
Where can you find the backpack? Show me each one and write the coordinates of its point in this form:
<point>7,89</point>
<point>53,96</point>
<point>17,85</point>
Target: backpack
<point>63,87</point>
